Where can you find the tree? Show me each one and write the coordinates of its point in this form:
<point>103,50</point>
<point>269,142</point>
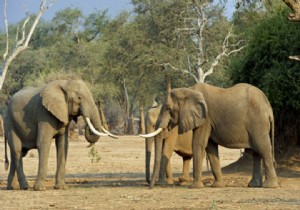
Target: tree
<point>200,21</point>
<point>265,64</point>
<point>21,44</point>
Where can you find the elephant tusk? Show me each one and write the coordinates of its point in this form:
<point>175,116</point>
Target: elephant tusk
<point>88,121</point>
<point>149,135</point>
<point>109,134</point>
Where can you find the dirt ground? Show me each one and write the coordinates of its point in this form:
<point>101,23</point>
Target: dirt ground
<point>113,178</point>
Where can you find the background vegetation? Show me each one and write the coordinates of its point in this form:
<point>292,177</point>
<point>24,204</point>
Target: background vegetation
<point>129,60</point>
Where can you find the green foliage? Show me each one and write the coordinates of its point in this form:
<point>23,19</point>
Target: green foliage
<point>265,62</point>
<point>94,155</point>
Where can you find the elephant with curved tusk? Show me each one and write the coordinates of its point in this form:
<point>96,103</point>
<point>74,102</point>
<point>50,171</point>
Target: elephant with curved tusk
<point>236,117</point>
<point>165,144</point>
<point>35,116</point>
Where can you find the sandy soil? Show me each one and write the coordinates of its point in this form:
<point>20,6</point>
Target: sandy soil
<point>117,181</point>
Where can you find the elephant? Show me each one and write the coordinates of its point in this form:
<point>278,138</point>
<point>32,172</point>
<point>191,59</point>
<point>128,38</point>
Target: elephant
<point>34,116</point>
<point>236,117</point>
<point>165,144</point>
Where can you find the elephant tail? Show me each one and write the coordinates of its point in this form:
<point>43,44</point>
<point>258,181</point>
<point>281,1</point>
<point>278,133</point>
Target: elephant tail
<point>272,139</point>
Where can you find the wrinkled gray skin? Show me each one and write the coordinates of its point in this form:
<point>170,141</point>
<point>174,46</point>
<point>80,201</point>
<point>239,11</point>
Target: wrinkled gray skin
<point>236,117</point>
<point>35,116</point>
<point>165,143</point>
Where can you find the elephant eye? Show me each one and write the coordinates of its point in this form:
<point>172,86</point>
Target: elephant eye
<point>79,97</point>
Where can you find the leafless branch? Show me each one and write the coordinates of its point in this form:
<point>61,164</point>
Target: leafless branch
<point>6,30</point>
<point>295,57</point>
<point>21,44</point>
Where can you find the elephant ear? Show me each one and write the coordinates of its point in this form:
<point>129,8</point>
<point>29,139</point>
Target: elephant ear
<point>53,99</point>
<point>192,109</point>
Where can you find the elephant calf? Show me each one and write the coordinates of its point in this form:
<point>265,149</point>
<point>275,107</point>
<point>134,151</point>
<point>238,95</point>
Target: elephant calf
<point>181,144</point>
<point>35,116</point>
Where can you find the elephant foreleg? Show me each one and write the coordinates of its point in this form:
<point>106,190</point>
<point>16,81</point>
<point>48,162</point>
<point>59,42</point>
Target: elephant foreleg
<point>169,174</point>
<point>61,157</point>
<point>166,169</point>
<point>213,156</point>
<point>199,143</point>
<point>43,147</point>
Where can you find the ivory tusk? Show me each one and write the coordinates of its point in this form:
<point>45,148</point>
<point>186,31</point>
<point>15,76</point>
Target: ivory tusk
<point>149,135</point>
<point>88,121</point>
<point>109,134</point>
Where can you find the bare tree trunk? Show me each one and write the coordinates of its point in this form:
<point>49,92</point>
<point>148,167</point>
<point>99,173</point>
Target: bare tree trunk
<point>142,117</point>
<point>168,83</point>
<point>295,7</point>
<point>102,116</point>
<point>21,44</point>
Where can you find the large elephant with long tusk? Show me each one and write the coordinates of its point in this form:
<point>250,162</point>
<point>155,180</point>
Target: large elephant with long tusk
<point>236,117</point>
<point>35,116</point>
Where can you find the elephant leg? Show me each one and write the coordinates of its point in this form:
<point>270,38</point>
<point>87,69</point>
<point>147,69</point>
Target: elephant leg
<point>257,180</point>
<point>168,148</point>
<point>43,147</point>
<point>199,143</point>
<point>12,181</point>
<point>264,149</point>
<point>149,144</point>
<point>169,174</point>
<point>16,173</point>
<point>61,143</point>
<point>271,180</point>
<point>185,170</point>
<point>213,156</point>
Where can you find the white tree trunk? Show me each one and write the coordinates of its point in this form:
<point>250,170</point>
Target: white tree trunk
<point>21,44</point>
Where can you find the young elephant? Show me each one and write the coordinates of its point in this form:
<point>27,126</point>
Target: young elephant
<point>35,116</point>
<point>236,117</point>
<point>165,144</point>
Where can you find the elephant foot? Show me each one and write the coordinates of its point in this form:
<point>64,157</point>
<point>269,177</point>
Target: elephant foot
<point>13,187</point>
<point>60,187</point>
<point>271,183</point>
<point>184,179</point>
<point>196,185</point>
<point>218,184</point>
<point>255,183</point>
<point>38,186</point>
<point>24,185</point>
<point>170,181</point>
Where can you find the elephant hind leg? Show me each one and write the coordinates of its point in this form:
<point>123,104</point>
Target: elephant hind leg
<point>16,173</point>
<point>12,180</point>
<point>256,180</point>
<point>265,152</point>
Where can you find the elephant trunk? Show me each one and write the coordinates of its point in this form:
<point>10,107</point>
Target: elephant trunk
<point>157,162</point>
<point>93,123</point>
<point>149,145</point>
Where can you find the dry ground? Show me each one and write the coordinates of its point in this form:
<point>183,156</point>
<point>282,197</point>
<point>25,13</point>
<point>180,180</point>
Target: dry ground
<point>117,181</point>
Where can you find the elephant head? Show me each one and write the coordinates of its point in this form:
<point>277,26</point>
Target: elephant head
<point>183,107</point>
<point>68,99</point>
